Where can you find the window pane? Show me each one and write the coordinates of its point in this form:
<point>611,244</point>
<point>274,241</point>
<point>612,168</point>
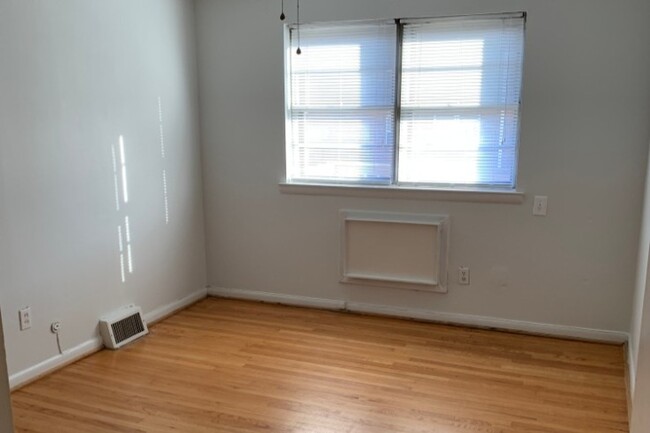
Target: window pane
<point>342,87</point>
<point>461,81</point>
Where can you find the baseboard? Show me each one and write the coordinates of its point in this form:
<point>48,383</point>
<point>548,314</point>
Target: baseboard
<point>277,298</point>
<point>631,365</point>
<point>31,374</point>
<point>165,311</point>
<point>562,331</point>
<point>630,375</point>
<point>95,344</point>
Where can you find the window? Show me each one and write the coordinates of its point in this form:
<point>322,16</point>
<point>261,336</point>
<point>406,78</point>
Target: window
<point>426,102</point>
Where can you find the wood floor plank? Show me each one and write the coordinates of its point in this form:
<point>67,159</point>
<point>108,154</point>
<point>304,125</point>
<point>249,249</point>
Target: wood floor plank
<point>235,366</point>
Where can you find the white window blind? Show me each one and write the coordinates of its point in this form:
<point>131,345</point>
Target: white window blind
<point>411,102</point>
<point>342,100</point>
<point>461,80</point>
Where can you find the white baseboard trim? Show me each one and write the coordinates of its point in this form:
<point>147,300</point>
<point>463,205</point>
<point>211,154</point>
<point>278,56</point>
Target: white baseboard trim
<point>278,298</point>
<point>41,369</point>
<point>95,344</point>
<point>573,332</point>
<point>536,328</point>
<point>630,359</point>
<point>165,311</point>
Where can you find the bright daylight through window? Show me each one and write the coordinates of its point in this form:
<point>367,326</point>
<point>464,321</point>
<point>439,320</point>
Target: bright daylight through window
<point>422,102</point>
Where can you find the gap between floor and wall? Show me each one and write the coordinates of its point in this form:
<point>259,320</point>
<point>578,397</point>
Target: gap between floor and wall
<point>571,332</point>
<point>88,347</point>
<point>93,345</point>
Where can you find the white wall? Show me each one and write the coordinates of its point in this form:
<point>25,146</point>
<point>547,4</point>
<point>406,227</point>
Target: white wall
<point>583,143</point>
<point>6,423</point>
<point>75,75</point>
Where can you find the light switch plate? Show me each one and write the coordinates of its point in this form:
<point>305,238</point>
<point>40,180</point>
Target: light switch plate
<point>540,205</point>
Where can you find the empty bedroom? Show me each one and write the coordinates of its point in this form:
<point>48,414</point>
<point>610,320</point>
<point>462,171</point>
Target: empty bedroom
<point>332,216</point>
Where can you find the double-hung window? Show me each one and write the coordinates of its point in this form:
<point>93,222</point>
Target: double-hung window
<point>421,102</point>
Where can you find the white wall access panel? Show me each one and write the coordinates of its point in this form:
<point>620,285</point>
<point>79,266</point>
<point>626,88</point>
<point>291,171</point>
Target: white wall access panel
<point>398,250</point>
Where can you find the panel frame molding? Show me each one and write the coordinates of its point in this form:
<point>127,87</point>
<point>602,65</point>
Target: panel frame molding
<point>442,224</point>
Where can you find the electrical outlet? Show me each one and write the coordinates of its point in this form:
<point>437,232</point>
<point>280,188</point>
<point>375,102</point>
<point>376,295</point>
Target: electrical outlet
<point>55,327</point>
<point>25,316</point>
<point>463,276</point>
<point>540,205</point>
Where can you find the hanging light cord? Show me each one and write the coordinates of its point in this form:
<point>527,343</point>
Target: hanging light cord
<point>298,51</point>
<point>282,18</point>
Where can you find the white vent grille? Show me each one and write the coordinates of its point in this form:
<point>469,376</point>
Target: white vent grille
<point>122,327</point>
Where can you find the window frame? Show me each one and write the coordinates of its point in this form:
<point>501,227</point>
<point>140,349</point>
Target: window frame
<point>417,190</point>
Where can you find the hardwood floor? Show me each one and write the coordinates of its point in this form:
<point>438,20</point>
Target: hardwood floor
<point>234,366</point>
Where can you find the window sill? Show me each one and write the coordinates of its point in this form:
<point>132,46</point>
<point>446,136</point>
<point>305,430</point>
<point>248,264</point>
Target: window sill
<point>401,192</point>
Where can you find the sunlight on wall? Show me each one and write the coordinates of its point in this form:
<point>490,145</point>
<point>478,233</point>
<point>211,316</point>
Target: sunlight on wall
<point>121,249</point>
<point>125,185</point>
<point>128,244</point>
<point>163,156</point>
<point>123,231</point>
<point>116,180</point>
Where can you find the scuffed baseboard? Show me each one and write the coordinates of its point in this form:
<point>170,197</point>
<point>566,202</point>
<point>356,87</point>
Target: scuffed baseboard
<point>35,372</point>
<point>69,356</point>
<point>277,298</point>
<point>562,331</point>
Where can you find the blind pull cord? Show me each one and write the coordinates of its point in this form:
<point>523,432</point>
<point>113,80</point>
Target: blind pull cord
<point>298,51</point>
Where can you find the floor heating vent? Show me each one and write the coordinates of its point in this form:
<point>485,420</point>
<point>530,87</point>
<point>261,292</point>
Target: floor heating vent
<point>122,327</point>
